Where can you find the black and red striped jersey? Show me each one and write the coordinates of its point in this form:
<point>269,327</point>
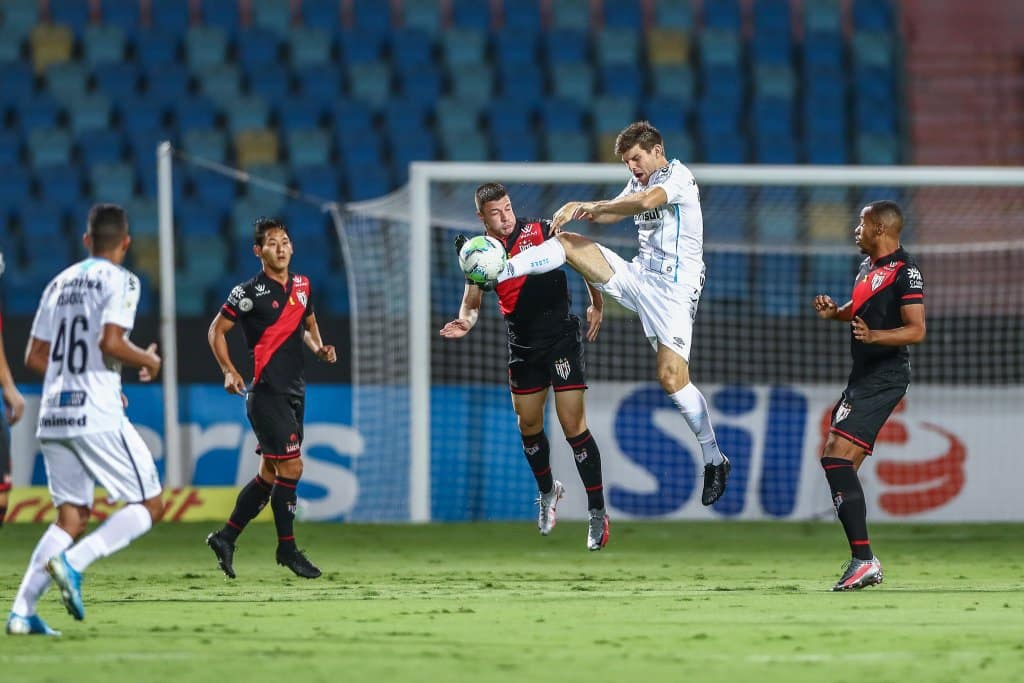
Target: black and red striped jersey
<point>880,291</point>
<point>536,307</point>
<point>272,318</point>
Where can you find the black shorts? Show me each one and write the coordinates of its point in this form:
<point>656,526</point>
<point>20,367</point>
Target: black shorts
<point>867,403</point>
<point>5,455</point>
<point>560,366</point>
<point>277,421</point>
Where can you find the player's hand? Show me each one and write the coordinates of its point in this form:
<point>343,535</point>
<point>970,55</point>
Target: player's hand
<point>594,318</point>
<point>825,306</point>
<point>233,384</point>
<point>327,354</point>
<point>151,369</point>
<point>14,404</point>
<point>587,211</point>
<point>563,216</point>
<point>861,332</point>
<point>456,328</point>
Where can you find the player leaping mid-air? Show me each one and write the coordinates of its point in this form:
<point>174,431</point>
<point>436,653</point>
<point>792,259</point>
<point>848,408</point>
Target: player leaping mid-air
<point>885,313</point>
<point>545,349</point>
<point>662,284</point>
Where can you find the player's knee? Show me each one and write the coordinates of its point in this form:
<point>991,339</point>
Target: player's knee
<point>672,379</point>
<point>155,507</point>
<point>73,519</point>
<point>290,469</point>
<point>529,426</point>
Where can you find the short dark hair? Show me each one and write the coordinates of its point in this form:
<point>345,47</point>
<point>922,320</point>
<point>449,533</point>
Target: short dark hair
<point>107,226</point>
<point>887,213</point>
<point>263,225</point>
<point>638,133</point>
<point>489,192</point>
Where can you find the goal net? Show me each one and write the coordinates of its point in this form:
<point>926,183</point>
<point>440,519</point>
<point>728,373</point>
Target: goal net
<point>771,370</point>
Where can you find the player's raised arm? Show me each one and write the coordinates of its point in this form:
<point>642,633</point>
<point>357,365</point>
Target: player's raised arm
<point>217,338</point>
<point>469,311</point>
<point>828,309</point>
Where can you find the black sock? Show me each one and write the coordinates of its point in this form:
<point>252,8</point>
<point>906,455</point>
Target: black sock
<point>848,497</point>
<point>588,464</point>
<point>282,502</point>
<point>538,454</point>
<point>3,514</point>
<point>251,499</point>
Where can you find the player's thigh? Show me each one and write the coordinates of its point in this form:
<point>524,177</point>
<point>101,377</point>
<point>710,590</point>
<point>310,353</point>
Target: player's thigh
<point>275,423</point>
<point>530,410</point>
<point>625,284</point>
<point>865,406</point>
<point>667,313</point>
<point>571,410</point>
<point>586,257</point>
<point>67,478</point>
<point>120,462</point>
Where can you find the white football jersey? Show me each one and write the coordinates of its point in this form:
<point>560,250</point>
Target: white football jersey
<point>82,387</point>
<point>672,235</point>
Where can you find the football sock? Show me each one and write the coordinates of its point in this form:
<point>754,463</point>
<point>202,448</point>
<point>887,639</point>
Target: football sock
<point>588,464</point>
<point>53,542</point>
<point>540,259</point>
<point>538,454</point>
<point>120,529</point>
<point>282,502</point>
<point>848,498</point>
<point>253,497</point>
<point>3,514</point>
<point>694,408</point>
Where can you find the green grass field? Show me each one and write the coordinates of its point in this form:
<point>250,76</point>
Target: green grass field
<point>696,602</point>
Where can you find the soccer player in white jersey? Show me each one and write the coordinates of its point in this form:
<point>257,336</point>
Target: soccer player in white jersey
<point>79,342</point>
<point>662,284</point>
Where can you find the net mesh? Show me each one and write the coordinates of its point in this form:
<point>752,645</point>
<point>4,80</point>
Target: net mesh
<point>771,371</point>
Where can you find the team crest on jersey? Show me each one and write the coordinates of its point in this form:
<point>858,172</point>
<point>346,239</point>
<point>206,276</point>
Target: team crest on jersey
<point>562,367</point>
<point>245,304</point>
<point>302,298</point>
<point>876,281</point>
<point>842,412</point>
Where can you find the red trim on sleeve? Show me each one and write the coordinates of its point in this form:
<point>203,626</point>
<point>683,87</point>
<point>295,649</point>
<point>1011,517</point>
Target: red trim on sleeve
<point>912,296</point>
<point>230,312</point>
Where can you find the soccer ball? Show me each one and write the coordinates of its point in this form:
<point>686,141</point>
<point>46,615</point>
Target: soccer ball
<point>482,259</point>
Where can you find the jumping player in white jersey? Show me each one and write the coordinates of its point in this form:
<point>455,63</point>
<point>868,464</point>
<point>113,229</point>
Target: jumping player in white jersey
<point>79,342</point>
<point>662,284</point>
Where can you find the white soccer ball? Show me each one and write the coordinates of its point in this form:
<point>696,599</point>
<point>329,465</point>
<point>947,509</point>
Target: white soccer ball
<point>482,259</point>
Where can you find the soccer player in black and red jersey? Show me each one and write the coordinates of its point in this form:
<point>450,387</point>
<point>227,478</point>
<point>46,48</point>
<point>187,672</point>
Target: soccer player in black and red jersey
<point>886,314</point>
<point>275,310</point>
<point>14,408</point>
<point>545,350</point>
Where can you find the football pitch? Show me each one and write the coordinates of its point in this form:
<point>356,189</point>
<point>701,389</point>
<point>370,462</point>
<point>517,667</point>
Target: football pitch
<point>714,601</point>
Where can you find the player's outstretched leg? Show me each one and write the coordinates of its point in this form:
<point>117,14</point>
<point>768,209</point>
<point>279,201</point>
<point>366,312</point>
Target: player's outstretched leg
<point>224,549</point>
<point>295,560</point>
<point>597,530</point>
<point>69,581</point>
<point>715,477</point>
<point>34,625</point>
<point>860,574</point>
<point>547,515</point>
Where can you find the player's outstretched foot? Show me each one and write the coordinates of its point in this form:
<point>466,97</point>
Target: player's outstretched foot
<point>298,563</point>
<point>547,515</point>
<point>597,530</point>
<point>225,552</point>
<point>34,625</point>
<point>860,574</point>
<point>69,581</point>
<point>715,477</point>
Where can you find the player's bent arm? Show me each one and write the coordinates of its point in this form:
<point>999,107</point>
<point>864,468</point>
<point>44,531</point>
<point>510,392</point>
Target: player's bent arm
<point>312,339</point>
<point>37,355</point>
<point>115,344</point>
<point>912,331</point>
<point>611,210</point>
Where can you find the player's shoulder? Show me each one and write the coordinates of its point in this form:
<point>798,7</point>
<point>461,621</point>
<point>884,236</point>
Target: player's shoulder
<point>530,224</point>
<point>300,280</point>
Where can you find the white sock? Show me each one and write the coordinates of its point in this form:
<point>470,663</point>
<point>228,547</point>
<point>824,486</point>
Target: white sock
<point>694,408</point>
<point>540,259</point>
<point>35,582</point>
<point>123,527</point>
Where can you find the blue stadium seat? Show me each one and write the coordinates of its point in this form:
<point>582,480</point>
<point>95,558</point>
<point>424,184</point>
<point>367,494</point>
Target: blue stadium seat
<point>452,115</point>
<point>521,17</point>
<point>823,17</point>
<point>825,150</point>
<point>140,114</point>
<point>325,14</point>
<point>100,146</point>
<point>772,47</point>
<point>273,15</point>
<point>465,146</point>
<point>142,216</point>
<point>195,111</point>
<point>823,52</point>
<point>67,80</point>
<point>619,45</point>
<point>257,48</point>
<point>223,14</point>
<point>212,188</point>
<point>722,14</point>
<point>566,46</point>
<point>319,181</point>
<point>724,148</point>
<point>118,80</point>
<point>774,80</point>
<point>409,146</point>
<point>622,80</point>
<point>420,86</point>
<point>308,147</point>
<point>471,14</point>
<point>502,118</point>
<point>675,80</point>
<point>770,148</point>
<point>309,45</point>
<point>410,46</point>
<point>728,277</point>
<point>124,14</point>
<point>513,146</point>
<point>674,14</point>
<point>831,274</point>
<point>60,186</point>
<point>402,116</point>
<point>718,117</point>
<point>196,219</point>
<point>71,13</point>
<point>720,47</point>
<point>112,182</point>
<point>422,14</point>
<point>610,114</point>
<point>157,47</point>
<point>371,16</point>
<point>772,116</point>
<point>15,186</point>
<point>37,111</point>
<point>17,82</point>
<point>49,147</point>
<point>320,85</point>
<point>297,113</point>
<point>678,144</point>
<point>778,284</point>
<point>350,115</point>
<point>171,16</point>
<point>103,44</point>
<point>777,222</point>
<point>561,116</point>
<point>472,83</point>
<point>22,289</point>
<point>877,148</point>
<point>10,151</point>
<point>872,49</point>
<point>522,84</point>
<point>271,82</point>
<point>462,47</point>
<point>89,112</point>
<point>167,84</point>
<point>370,82</point>
<point>191,297</point>
<point>205,46</point>
<point>573,81</point>
<point>209,143</point>
<point>873,15</point>
<point>628,15</point>
<point>220,83</point>
<point>668,113</point>
<point>515,49</point>
<point>570,14</point>
<point>874,117</point>
<point>368,182</point>
<point>11,46</point>
<point>20,17</point>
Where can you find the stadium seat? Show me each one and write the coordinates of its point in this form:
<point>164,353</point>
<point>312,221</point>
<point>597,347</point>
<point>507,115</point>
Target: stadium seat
<point>297,113</point>
<point>256,146</point>
<point>50,44</point>
<point>112,182</point>
<point>463,47</point>
<point>17,82</point>
<point>772,116</point>
<point>89,112</point>
<point>411,46</point>
<point>410,146</point>
<point>190,297</point>
<point>370,82</point>
<point>20,17</point>
<point>220,83</point>
<point>49,147</point>
<point>678,145</point>
<point>831,274</point>
<point>226,15</point>
<point>667,113</point>
<point>573,82</point>
<point>774,80</point>
<point>567,146</point>
<point>504,119</point>
<point>472,83</point>
<point>171,16</point>
<point>246,113</point>
<point>257,48</point>
<point>324,14</point>
<point>522,84</point>
<point>453,116</point>
<point>872,49</point>
<point>676,81</point>
<point>722,14</point>
<point>196,219</point>
<point>37,111</point>
<point>211,188</point>
<point>521,17</point>
<point>156,47</point>
<point>205,46</point>
<point>71,13</point>
<point>823,16</point>
<point>515,146</point>
<point>873,15</point>
<point>142,216</point>
<point>728,277</point>
<point>776,222</point>
<point>825,150</point>
<point>166,84</point>
<point>724,148</point>
<point>60,187</point>
<point>667,46</point>
<point>419,86</point>
<point>319,181</point>
<point>622,80</point>
<point>514,49</point>
<point>368,183</point>
<point>195,112</point>
<point>778,284</point>
<point>209,143</point>
<point>10,151</point>
<point>775,148</point>
<point>371,16</point>
<point>880,149</point>
<point>571,14</point>
<point>719,47</point>
<point>566,46</point>
<point>319,85</point>
<point>15,185</point>
<point>118,80</point>
<point>309,45</point>
<point>610,114</point>
<point>470,145</point>
<point>352,116</point>
<point>471,14</point>
<point>103,44</point>
<point>307,147</point>
<point>272,15</point>
<point>400,116</point>
<point>772,47</point>
<point>422,14</point>
<point>561,116</point>
<point>67,80</point>
<point>829,222</point>
<point>124,14</point>
<point>617,45</point>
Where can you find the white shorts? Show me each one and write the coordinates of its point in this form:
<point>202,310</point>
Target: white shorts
<point>119,461</point>
<point>666,309</point>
